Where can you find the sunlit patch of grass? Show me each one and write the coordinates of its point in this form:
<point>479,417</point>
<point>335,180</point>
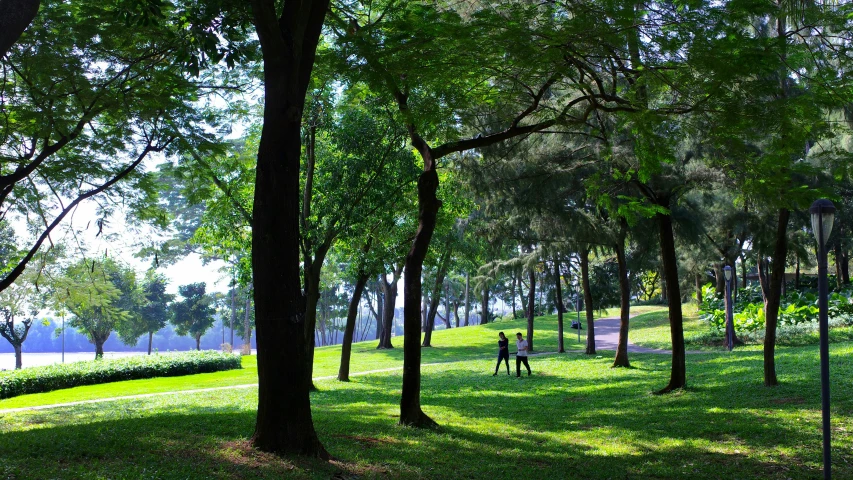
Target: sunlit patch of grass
<point>575,417</point>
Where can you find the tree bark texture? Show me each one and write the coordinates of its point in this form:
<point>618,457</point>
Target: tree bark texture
<point>773,297</point>
<point>678,374</point>
<point>699,278</point>
<point>587,300</point>
<point>349,330</point>
<point>288,45</point>
<point>150,341</point>
<point>621,359</point>
<point>18,362</point>
<point>531,307</point>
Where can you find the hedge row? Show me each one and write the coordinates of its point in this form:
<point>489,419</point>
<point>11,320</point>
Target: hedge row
<point>93,372</point>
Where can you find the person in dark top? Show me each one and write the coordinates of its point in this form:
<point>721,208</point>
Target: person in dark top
<point>503,353</point>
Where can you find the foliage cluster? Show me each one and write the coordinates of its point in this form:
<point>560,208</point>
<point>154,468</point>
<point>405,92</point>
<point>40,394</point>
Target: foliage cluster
<point>799,309</point>
<point>53,377</point>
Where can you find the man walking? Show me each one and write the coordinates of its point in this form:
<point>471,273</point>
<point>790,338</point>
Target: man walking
<point>521,355</point>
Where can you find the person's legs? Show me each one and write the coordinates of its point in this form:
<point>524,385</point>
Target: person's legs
<point>518,365</point>
<point>524,359</point>
<point>506,360</point>
<point>498,365</point>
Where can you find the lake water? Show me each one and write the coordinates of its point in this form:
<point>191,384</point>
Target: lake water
<point>7,360</point>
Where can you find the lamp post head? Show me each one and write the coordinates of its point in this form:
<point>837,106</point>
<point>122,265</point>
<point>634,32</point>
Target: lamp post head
<point>823,215</point>
<point>727,271</point>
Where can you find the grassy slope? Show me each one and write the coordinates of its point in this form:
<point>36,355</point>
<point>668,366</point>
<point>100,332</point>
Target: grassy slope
<point>576,417</point>
<point>454,345</point>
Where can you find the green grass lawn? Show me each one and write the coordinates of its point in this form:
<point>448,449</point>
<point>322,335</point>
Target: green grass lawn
<point>574,418</point>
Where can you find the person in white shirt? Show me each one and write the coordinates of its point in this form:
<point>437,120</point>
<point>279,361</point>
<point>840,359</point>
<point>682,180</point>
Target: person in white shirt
<point>521,355</point>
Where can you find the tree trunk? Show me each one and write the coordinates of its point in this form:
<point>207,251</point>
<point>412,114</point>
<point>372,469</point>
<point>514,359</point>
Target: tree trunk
<point>621,359</point>
<point>440,273</point>
<point>512,295</point>
<point>484,316</point>
<point>467,299</point>
<point>678,375</point>
<point>559,293</point>
<point>699,288</point>
<point>349,330</point>
<point>797,274</point>
<point>18,363</point>
<point>719,279</point>
<point>587,300</point>
<point>428,206</point>
<point>773,297</point>
<point>233,315</point>
<point>198,343</point>
<point>380,314</point>
<point>456,312</point>
<point>288,44</point>
<point>531,307</point>
<point>312,268</point>
<point>390,299</point>
<point>839,258</point>
<point>447,306</point>
<point>99,349</point>
<point>743,271</point>
<point>150,341</point>
<point>845,266</point>
<point>247,328</point>
<point>15,17</point>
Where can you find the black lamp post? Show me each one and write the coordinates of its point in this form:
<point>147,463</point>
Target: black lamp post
<point>823,214</point>
<point>730,322</point>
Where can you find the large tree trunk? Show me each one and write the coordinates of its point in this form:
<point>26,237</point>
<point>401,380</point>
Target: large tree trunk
<point>678,375</point>
<point>150,341</point>
<point>18,363</point>
<point>587,300</point>
<point>349,330</point>
<point>428,206</point>
<point>773,297</point>
<point>531,308</point>
<point>198,343</point>
<point>380,314</point>
<point>621,359</point>
<point>558,286</point>
<point>15,17</point>
<point>284,423</point>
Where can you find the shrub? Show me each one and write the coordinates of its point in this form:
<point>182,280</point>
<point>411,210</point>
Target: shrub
<point>93,372</point>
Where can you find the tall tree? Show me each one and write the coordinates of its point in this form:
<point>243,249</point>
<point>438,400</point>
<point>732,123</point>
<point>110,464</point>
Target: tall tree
<point>289,35</point>
<point>193,314</point>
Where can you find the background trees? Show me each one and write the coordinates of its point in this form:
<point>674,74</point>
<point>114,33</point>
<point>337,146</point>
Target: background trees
<point>193,314</point>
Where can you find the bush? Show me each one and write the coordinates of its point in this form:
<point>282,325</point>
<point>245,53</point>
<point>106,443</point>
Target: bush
<point>93,372</point>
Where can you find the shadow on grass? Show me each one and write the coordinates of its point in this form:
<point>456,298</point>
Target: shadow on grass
<point>574,418</point>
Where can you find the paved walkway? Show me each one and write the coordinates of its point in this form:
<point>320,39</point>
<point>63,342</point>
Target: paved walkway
<point>607,338</point>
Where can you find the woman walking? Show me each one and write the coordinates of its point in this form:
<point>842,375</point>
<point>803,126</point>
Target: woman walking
<point>503,353</point>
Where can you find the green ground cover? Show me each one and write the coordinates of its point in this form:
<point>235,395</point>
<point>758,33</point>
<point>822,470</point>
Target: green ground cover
<point>576,417</point>
<point>454,345</point>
